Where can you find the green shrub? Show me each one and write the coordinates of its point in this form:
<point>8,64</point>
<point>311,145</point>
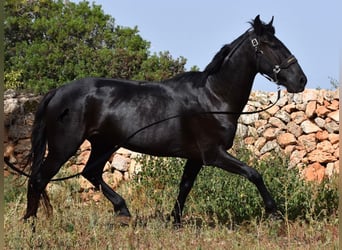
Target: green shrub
<point>230,198</point>
<point>12,80</point>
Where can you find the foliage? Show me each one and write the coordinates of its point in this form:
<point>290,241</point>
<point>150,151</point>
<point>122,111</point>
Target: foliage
<point>53,42</point>
<point>161,66</point>
<point>229,198</point>
<point>13,80</point>
<point>334,83</point>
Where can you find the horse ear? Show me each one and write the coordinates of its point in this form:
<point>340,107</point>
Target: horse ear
<point>270,26</point>
<point>271,22</point>
<point>257,25</point>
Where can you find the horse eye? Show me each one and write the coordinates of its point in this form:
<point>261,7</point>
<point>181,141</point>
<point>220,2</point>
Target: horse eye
<point>270,44</point>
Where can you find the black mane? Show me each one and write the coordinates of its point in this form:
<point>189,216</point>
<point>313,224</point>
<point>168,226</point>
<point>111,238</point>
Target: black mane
<point>215,65</point>
<point>218,59</point>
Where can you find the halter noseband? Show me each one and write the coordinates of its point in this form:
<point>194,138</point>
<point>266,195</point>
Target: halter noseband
<point>277,67</point>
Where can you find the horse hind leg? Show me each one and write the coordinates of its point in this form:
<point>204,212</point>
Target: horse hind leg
<point>93,173</point>
<point>38,182</point>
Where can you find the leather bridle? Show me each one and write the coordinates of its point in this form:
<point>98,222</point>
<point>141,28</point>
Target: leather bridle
<point>277,67</point>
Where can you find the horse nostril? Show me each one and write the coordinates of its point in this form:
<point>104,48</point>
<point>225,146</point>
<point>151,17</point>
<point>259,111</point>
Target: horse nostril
<point>303,80</point>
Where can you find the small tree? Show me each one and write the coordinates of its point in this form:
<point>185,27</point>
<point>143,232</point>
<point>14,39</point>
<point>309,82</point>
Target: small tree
<point>54,42</point>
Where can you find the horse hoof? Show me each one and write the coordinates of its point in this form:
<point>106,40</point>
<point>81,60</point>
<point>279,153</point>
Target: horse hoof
<point>123,220</point>
<point>177,225</point>
<point>275,216</point>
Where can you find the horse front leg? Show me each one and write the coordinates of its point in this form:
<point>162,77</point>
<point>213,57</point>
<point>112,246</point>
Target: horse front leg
<point>93,172</point>
<point>191,170</point>
<point>229,163</point>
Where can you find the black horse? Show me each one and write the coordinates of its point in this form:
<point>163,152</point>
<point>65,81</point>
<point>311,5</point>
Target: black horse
<point>110,113</point>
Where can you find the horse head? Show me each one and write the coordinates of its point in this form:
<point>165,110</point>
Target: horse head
<point>274,60</point>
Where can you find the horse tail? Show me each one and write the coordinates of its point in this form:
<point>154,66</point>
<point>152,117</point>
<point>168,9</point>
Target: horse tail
<point>38,144</point>
<point>38,135</point>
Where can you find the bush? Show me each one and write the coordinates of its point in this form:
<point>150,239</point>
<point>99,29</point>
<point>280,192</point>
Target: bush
<point>12,80</point>
<point>230,198</point>
<point>79,41</point>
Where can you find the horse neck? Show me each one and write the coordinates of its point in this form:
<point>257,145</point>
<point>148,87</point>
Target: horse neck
<point>232,84</point>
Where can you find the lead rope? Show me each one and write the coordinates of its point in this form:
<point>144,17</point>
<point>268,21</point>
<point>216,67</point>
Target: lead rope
<point>8,163</point>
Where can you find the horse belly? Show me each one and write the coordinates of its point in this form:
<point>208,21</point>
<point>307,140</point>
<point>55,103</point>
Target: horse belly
<point>156,141</point>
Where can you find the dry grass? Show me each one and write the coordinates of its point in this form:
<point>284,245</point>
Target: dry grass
<point>91,225</point>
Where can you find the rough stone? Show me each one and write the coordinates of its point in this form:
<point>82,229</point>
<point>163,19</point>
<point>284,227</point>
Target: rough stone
<point>332,127</point>
<point>289,149</point>
<point>294,129</point>
<point>120,163</point>
<point>314,172</point>
<point>260,142</point>
<point>269,146</point>
<point>322,111</point>
<point>282,115</point>
<point>117,178</point>
<point>321,156</point>
<point>284,99</point>
<point>286,139</point>
<point>273,110</point>
<point>276,122</point>
<point>322,135</point>
<point>309,95</point>
<point>329,170</point>
<point>333,138</point>
<point>265,116</point>
<point>337,167</point>
<point>85,146</point>
<point>249,140</point>
<point>271,133</point>
<point>335,115</point>
<point>260,123</point>
<point>289,108</point>
<point>9,153</point>
<point>241,130</point>
<point>336,153</point>
<point>309,127</point>
<point>252,131</point>
<point>10,105</point>
<point>298,117</point>
<point>124,152</point>
<point>296,98</point>
<point>296,157</point>
<point>82,158</point>
<point>308,142</point>
<point>310,109</point>
<point>262,129</point>
<point>301,106</point>
<point>334,105</point>
<point>10,93</point>
<point>319,122</point>
<point>325,146</point>
<point>249,119</point>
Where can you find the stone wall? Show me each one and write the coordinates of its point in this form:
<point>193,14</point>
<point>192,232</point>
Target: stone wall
<point>304,126</point>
